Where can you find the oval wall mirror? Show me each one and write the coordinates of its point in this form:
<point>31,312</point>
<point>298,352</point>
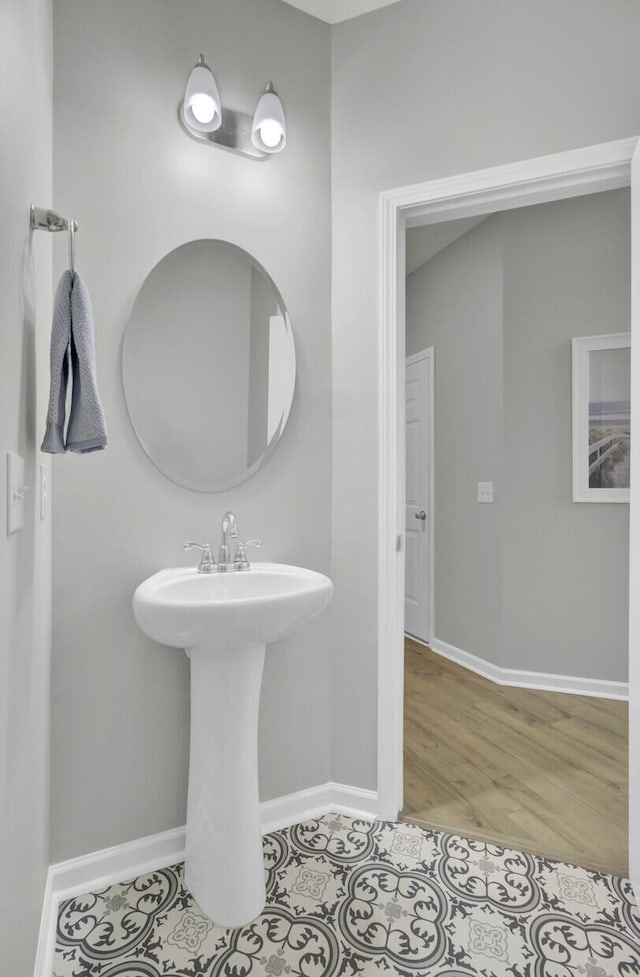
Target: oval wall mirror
<point>208,365</point>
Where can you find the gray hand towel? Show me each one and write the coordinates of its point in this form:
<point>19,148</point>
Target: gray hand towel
<point>59,365</point>
<point>87,430</point>
<point>72,342</point>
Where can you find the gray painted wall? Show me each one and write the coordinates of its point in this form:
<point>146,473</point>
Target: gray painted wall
<point>25,558</point>
<point>557,589</point>
<point>139,187</point>
<point>567,273</point>
<point>454,303</point>
<point>438,87</point>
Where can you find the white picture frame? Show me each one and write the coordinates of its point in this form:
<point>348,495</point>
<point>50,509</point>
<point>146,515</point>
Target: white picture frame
<point>601,371</point>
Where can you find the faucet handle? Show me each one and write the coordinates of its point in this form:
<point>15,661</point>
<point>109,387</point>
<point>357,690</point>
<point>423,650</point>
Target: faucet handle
<point>240,560</point>
<point>207,562</point>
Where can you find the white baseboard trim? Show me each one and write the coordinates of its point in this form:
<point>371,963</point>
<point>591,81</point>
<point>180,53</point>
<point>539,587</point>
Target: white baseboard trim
<point>96,871</point>
<point>102,868</point>
<point>304,804</point>
<point>542,681</point>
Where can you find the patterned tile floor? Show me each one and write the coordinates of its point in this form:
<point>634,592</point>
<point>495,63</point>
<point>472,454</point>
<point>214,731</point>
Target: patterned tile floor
<point>349,897</point>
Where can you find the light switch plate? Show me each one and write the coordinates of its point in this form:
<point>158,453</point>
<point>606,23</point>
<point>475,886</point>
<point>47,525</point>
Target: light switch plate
<point>485,491</point>
<point>15,492</point>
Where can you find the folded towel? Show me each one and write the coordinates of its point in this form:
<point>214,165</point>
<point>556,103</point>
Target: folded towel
<point>59,363</point>
<point>87,430</point>
<point>72,343</point>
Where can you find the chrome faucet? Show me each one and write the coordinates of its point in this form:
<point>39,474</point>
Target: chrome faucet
<point>229,531</point>
<point>224,564</point>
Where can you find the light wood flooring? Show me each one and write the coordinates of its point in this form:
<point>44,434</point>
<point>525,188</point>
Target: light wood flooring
<point>539,771</point>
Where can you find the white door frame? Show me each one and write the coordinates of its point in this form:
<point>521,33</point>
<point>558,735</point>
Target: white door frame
<point>429,355</point>
<point>606,166</point>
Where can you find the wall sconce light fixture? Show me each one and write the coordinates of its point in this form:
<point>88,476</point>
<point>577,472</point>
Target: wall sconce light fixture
<point>203,118</point>
<point>269,129</point>
<point>201,106</point>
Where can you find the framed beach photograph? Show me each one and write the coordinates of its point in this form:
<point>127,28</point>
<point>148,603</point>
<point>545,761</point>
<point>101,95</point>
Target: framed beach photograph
<point>601,417</point>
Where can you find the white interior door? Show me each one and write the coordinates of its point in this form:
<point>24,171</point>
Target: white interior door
<point>419,508</point>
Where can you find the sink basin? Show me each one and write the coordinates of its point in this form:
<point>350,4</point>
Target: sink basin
<point>187,609</point>
<point>224,621</point>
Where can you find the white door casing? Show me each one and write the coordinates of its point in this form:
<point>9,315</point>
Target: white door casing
<point>418,615</point>
<point>593,169</point>
<point>634,540</point>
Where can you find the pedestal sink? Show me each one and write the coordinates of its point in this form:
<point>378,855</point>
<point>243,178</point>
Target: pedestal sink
<point>224,621</point>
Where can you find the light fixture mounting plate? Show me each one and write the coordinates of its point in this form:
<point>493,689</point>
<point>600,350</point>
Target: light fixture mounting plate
<point>234,134</point>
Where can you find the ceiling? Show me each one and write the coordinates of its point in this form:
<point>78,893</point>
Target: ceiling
<point>333,11</point>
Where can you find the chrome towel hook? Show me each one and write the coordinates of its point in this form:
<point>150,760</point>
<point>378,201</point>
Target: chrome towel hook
<point>41,219</point>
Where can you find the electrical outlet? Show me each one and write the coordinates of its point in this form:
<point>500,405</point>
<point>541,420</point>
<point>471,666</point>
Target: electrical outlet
<point>485,491</point>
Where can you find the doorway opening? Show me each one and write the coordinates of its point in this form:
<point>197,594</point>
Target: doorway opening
<point>520,598</point>
<point>551,178</point>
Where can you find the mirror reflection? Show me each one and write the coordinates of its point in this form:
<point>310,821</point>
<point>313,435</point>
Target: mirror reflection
<point>208,365</point>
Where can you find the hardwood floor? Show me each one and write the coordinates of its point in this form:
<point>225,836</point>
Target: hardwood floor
<point>538,771</point>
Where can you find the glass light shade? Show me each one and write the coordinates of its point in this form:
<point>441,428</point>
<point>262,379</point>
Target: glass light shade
<point>201,108</point>
<point>269,129</point>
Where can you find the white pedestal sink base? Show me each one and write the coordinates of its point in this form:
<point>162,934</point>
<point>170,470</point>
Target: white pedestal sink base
<point>225,620</point>
<point>224,864</point>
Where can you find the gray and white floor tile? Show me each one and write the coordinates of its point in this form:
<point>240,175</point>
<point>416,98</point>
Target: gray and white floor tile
<point>348,897</point>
